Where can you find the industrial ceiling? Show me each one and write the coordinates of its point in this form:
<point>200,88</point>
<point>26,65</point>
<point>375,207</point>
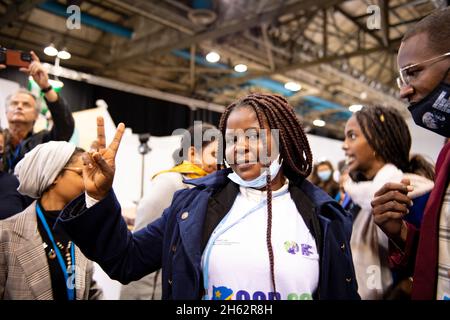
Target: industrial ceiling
<point>341,53</point>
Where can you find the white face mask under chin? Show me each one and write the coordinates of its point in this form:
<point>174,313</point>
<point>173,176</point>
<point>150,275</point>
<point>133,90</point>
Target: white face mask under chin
<point>260,181</point>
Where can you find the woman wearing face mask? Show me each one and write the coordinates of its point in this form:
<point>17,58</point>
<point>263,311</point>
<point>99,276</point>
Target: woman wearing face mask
<point>192,162</point>
<point>377,148</point>
<point>37,261</point>
<point>242,233</point>
<point>322,176</point>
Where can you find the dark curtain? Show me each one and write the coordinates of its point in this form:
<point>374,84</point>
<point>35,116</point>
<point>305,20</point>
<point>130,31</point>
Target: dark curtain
<point>141,114</point>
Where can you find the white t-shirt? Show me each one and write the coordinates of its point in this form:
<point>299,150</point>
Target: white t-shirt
<point>239,267</point>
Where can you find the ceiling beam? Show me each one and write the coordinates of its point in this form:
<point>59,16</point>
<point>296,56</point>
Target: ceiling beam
<point>75,60</point>
<point>42,30</point>
<point>140,90</point>
<point>359,24</point>
<point>17,9</point>
<point>402,23</point>
<point>385,29</point>
<point>291,66</point>
<point>156,18</point>
<point>221,31</point>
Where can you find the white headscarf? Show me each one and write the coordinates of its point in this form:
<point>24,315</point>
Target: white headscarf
<point>40,167</point>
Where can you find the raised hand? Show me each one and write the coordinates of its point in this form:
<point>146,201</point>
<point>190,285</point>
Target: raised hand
<point>2,66</point>
<point>99,162</point>
<point>390,204</point>
<point>37,71</point>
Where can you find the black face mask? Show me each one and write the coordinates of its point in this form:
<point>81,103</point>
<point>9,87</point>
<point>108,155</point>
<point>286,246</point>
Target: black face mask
<point>433,111</point>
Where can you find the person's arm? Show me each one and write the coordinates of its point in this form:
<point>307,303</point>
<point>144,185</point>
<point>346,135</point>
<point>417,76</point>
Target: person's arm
<point>100,231</point>
<point>63,122</point>
<point>390,204</point>
<point>405,257</point>
<point>149,209</point>
<point>40,76</point>
<point>103,236</point>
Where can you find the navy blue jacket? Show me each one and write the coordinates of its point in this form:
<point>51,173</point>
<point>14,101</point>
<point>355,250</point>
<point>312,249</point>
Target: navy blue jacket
<point>11,201</point>
<point>176,241</point>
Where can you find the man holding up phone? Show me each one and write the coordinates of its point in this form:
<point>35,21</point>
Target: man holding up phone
<point>22,111</point>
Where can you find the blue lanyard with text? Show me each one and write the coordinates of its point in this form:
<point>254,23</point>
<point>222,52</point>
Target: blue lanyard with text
<point>70,289</point>
<point>217,233</point>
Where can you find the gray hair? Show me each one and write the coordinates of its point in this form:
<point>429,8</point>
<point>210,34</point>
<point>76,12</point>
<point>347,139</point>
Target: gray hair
<point>24,91</point>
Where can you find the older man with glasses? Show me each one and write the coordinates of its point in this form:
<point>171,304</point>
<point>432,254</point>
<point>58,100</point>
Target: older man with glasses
<point>424,64</point>
<point>22,111</point>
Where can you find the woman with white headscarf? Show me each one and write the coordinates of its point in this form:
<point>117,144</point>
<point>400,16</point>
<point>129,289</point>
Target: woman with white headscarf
<point>37,261</point>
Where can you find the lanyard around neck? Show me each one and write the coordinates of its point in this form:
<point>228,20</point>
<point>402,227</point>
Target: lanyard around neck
<point>69,286</point>
<point>218,231</point>
<point>12,159</point>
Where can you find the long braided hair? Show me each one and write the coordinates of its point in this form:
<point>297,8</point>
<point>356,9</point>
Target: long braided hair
<point>388,134</point>
<point>294,147</point>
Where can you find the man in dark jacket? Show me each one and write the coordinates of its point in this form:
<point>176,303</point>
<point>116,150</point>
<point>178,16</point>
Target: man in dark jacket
<point>22,111</point>
<point>424,64</point>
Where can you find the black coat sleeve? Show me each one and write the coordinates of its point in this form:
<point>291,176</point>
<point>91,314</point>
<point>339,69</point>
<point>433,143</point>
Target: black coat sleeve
<point>11,201</point>
<point>63,122</point>
<point>103,236</point>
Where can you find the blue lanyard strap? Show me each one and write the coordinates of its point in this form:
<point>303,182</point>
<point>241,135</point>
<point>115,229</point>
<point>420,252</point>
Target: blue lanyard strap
<point>346,200</point>
<point>16,153</point>
<point>69,287</point>
<point>218,232</point>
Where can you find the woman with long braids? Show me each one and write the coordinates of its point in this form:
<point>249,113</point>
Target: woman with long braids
<point>255,230</point>
<point>377,148</point>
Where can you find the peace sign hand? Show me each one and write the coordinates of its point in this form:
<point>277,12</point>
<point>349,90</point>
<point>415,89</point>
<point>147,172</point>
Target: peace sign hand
<point>99,162</point>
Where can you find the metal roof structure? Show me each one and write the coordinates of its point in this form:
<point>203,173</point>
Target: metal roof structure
<point>340,52</point>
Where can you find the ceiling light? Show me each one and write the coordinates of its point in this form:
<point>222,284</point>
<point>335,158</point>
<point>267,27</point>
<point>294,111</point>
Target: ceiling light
<point>293,86</point>
<point>51,50</point>
<point>319,123</point>
<point>240,67</point>
<point>56,83</point>
<point>355,107</point>
<point>64,54</point>
<point>363,95</point>
<point>212,57</point>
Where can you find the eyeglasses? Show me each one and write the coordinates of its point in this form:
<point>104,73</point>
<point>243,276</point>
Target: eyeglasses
<point>77,170</point>
<point>406,74</point>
